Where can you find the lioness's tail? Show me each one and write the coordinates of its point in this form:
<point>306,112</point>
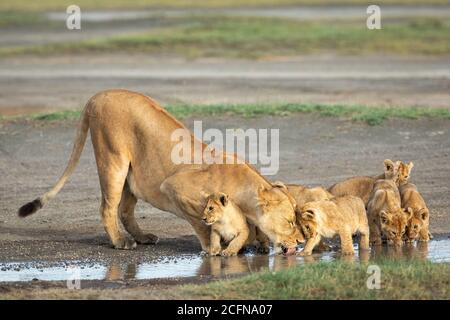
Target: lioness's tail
<point>35,205</point>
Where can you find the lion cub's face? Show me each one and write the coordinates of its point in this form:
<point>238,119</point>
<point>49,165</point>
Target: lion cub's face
<point>416,223</point>
<point>393,225</point>
<point>404,172</point>
<point>215,207</point>
<point>278,218</point>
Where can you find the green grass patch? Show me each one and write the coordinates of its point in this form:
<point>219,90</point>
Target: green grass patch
<point>241,37</point>
<point>15,19</point>
<point>335,280</point>
<point>367,114</point>
<point>43,5</point>
<point>59,115</point>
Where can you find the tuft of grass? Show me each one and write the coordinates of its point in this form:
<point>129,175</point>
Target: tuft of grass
<point>335,280</point>
<point>359,113</point>
<point>254,37</point>
<point>59,115</point>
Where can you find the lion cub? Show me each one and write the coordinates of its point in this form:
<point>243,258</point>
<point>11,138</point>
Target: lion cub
<point>385,215</point>
<point>227,222</point>
<point>418,225</point>
<point>361,187</point>
<point>404,172</point>
<point>303,195</point>
<point>344,216</point>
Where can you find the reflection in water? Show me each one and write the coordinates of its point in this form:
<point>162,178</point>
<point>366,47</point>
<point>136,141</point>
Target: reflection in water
<point>196,265</point>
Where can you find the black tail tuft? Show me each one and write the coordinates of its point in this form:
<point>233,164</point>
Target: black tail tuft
<point>30,208</point>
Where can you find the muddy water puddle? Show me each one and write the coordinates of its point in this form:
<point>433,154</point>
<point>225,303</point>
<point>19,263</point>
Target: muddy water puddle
<point>184,266</point>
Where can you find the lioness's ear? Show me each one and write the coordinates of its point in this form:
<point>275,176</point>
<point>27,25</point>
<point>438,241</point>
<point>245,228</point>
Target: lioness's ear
<point>423,214</point>
<point>384,216</point>
<point>410,166</point>
<point>223,198</point>
<point>308,215</point>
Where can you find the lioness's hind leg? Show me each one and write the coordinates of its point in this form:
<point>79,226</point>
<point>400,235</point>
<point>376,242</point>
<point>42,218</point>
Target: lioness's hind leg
<point>126,213</point>
<point>112,173</point>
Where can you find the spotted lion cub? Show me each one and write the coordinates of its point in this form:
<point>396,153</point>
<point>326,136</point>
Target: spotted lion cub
<point>344,216</point>
<point>227,222</point>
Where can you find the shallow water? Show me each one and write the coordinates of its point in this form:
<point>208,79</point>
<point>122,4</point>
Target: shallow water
<point>196,265</point>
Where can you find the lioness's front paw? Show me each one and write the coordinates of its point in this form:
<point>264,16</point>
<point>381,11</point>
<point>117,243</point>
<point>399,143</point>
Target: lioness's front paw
<point>125,244</point>
<point>228,253</point>
<point>148,239</point>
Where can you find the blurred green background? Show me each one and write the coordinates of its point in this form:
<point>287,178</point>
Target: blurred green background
<point>231,29</point>
<point>225,52</point>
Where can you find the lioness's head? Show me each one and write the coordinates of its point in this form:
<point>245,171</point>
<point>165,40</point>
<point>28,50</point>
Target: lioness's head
<point>277,217</point>
<point>393,225</point>
<point>391,169</point>
<point>216,204</point>
<point>404,172</point>
<point>416,223</point>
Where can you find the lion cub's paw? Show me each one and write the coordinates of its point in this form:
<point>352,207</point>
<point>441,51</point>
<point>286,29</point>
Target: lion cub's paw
<point>148,239</point>
<point>376,242</point>
<point>125,244</point>
<point>304,253</point>
<point>348,253</point>
<point>228,253</point>
<point>214,252</point>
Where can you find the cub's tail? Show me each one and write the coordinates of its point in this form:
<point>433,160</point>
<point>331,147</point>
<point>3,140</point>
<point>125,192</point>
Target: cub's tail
<point>35,205</point>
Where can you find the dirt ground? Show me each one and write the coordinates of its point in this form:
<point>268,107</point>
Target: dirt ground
<point>313,151</point>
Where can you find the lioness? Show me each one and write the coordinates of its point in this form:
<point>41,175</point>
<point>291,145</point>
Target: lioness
<point>385,215</point>
<point>418,225</point>
<point>362,186</point>
<point>344,216</point>
<point>133,143</point>
<point>228,223</point>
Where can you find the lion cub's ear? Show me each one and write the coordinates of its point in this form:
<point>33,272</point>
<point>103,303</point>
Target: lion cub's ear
<point>410,165</point>
<point>384,217</point>
<point>423,214</point>
<point>308,215</point>
<point>409,212</point>
<point>389,166</point>
<point>279,184</point>
<point>223,198</point>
